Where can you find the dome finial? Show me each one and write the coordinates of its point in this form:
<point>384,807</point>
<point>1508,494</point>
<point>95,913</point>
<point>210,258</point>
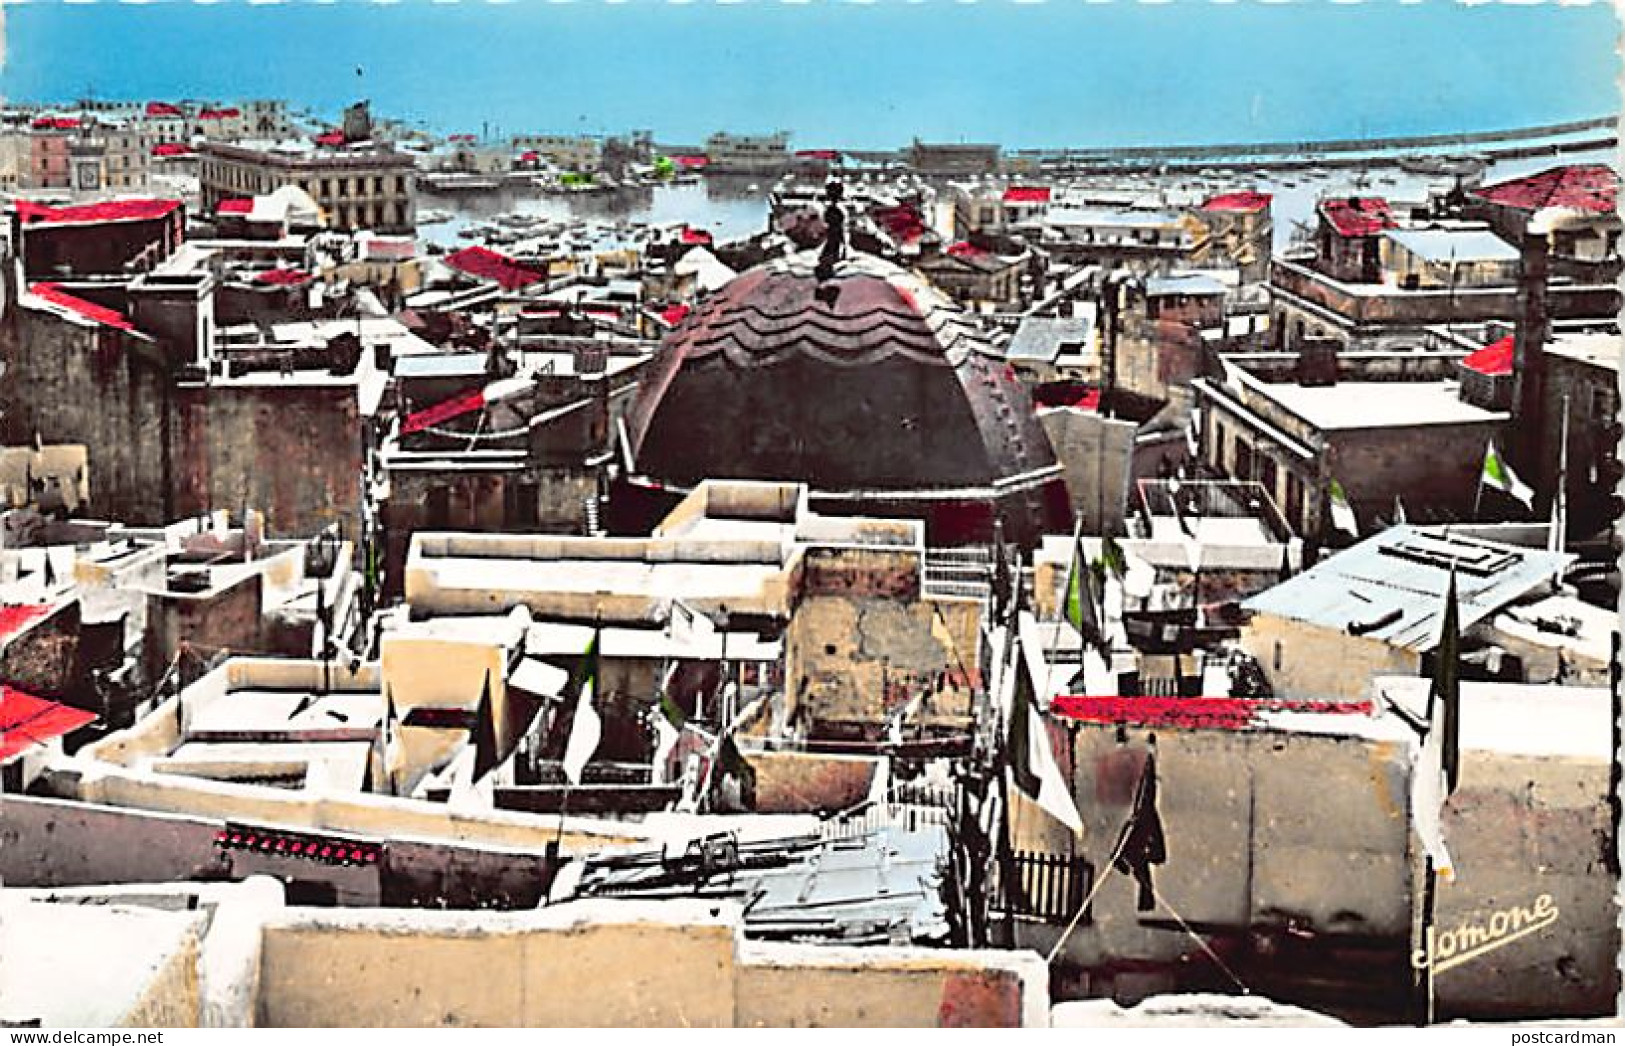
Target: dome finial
<point>834,232</point>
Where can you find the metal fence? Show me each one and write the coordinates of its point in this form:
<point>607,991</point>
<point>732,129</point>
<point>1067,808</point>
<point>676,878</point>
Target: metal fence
<point>1049,887</point>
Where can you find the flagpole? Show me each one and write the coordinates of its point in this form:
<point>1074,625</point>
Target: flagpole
<point>1559,525</point>
<point>1060,608</point>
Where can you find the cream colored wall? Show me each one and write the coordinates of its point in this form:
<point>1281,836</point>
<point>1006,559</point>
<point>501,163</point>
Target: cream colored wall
<point>171,999</point>
<point>1243,845</point>
<point>813,986</point>
<point>440,673</point>
<point>1320,664</point>
<point>622,964</point>
<point>841,651</point>
<point>673,963</point>
<point>1519,827</point>
<point>360,813</point>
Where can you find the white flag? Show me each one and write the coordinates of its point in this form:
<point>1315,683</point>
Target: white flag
<point>1499,475</point>
<point>587,729</point>
<point>1342,512</point>
<point>1428,795</point>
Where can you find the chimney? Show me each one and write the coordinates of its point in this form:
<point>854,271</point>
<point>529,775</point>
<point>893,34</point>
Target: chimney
<point>1528,352</point>
<point>1317,362</point>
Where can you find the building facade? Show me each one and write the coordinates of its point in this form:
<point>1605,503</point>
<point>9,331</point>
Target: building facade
<point>360,188</point>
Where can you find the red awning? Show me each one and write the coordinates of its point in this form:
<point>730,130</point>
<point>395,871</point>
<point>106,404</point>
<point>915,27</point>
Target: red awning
<point>1494,360</point>
<point>163,109</point>
<point>965,249</point>
<point>26,720</point>
<point>172,149</point>
<point>692,235</point>
<point>818,154</point>
<point>219,114</point>
<point>1223,713</point>
<point>330,138</point>
<point>443,411</point>
<point>1027,194</point>
<point>1239,202</point>
<point>238,205</point>
<point>89,310</point>
<point>55,123</point>
<point>529,156</point>
<point>675,314</point>
<point>691,161</point>
<point>283,277</point>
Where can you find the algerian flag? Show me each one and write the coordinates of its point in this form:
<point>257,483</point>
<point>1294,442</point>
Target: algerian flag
<point>392,751</point>
<point>668,722</point>
<point>1499,475</point>
<point>1032,762</point>
<point>1342,512</point>
<point>1081,606</point>
<point>1427,800</point>
<point>1111,554</point>
<point>1437,764</point>
<point>587,728</point>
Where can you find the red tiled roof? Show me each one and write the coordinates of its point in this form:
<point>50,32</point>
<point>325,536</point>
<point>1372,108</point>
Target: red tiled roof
<point>106,211</point>
<point>486,264</point>
<point>219,114</point>
<point>1358,216</point>
<point>1581,187</point>
<point>26,720</point>
<point>675,314</point>
<point>236,205</point>
<point>1240,202</point>
<point>695,236</point>
<point>330,138</point>
<point>1494,360</point>
<point>691,161</point>
<point>56,123</point>
<point>163,109</point>
<point>902,222</point>
<point>1224,713</point>
<point>965,249</point>
<point>283,277</point>
<point>172,149</point>
<point>15,619</point>
<point>1067,394</point>
<point>1027,194</point>
<point>89,310</point>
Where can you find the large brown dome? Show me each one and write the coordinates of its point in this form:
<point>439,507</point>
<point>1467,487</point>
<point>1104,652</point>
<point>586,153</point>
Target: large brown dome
<point>869,386</point>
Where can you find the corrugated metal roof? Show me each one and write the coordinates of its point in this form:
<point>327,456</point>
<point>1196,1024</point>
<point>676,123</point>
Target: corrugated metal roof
<point>1391,586</point>
<point>1187,283</point>
<point>1042,338</point>
<point>442,365</point>
<point>1454,245</point>
<point>879,887</point>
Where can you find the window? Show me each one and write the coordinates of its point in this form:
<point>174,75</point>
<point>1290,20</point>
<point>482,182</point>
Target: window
<point>1266,474</point>
<point>1244,460</point>
<point>437,509</point>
